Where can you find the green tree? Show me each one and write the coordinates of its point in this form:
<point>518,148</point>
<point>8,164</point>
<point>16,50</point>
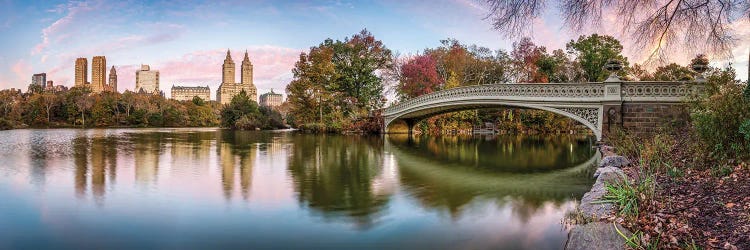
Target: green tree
<point>338,81</point>
<point>240,106</point>
<point>673,72</point>
<point>356,61</point>
<point>593,51</point>
<point>198,101</point>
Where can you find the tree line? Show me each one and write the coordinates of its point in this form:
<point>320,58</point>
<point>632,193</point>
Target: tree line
<point>78,107</point>
<point>340,85</point>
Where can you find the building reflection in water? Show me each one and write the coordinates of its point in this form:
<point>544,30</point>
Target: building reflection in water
<point>146,153</point>
<point>38,155</point>
<point>237,152</point>
<point>95,157</point>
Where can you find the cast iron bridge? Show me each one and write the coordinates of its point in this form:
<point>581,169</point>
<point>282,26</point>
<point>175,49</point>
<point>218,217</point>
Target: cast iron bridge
<point>597,105</point>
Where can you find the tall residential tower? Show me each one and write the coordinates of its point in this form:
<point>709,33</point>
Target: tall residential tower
<point>98,74</point>
<point>81,76</point>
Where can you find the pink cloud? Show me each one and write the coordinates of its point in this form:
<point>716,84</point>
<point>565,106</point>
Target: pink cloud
<point>22,69</point>
<point>59,28</point>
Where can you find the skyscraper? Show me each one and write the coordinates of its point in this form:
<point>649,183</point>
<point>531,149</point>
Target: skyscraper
<point>98,74</point>
<point>39,79</point>
<point>147,80</point>
<point>81,76</point>
<point>112,80</point>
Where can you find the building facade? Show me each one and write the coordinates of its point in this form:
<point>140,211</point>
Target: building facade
<point>52,88</point>
<point>182,93</point>
<point>271,99</point>
<point>81,72</point>
<point>98,74</point>
<point>147,80</point>
<point>112,87</point>
<point>229,88</point>
<point>40,80</point>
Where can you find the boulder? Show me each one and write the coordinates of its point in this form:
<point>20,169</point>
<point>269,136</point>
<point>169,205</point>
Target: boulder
<point>591,205</point>
<point>609,174</point>
<point>597,235</point>
<point>614,161</point>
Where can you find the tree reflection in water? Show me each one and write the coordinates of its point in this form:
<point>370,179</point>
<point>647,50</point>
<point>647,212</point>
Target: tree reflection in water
<point>334,176</point>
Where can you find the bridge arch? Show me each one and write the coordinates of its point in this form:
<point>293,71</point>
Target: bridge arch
<point>587,115</point>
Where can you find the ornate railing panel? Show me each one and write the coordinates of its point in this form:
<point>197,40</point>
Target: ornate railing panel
<point>661,91</point>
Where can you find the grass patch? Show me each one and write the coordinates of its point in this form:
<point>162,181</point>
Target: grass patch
<point>626,196</point>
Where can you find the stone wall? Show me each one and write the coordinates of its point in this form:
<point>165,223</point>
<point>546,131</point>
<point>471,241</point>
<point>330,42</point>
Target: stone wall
<point>644,119</point>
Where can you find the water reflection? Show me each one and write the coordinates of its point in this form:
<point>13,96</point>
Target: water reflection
<point>450,181</point>
<point>212,188</point>
<point>237,151</point>
<point>334,176</point>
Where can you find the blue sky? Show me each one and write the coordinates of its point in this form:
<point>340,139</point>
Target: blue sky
<point>187,40</point>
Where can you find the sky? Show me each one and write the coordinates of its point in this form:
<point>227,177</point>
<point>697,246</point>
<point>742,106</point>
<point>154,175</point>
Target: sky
<point>187,40</point>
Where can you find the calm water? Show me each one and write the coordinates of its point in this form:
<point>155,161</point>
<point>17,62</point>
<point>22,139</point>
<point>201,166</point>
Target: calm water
<point>208,188</point>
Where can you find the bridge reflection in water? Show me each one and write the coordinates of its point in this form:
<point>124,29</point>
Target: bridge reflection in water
<point>447,174</point>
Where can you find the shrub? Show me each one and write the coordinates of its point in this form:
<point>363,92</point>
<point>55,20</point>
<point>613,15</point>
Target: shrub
<point>656,153</point>
<point>720,116</point>
<point>248,122</point>
<point>625,144</point>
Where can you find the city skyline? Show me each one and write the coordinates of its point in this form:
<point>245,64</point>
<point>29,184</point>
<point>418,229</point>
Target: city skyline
<point>187,41</point>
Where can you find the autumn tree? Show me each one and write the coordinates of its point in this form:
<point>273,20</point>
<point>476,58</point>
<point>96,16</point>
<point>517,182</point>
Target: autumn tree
<point>526,56</point>
<point>312,73</point>
<point>419,77</point>
<point>593,51</point>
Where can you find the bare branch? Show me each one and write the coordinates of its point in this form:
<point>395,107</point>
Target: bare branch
<point>661,26</point>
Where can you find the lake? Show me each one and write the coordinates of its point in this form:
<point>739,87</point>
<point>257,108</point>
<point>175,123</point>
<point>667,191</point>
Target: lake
<point>212,188</point>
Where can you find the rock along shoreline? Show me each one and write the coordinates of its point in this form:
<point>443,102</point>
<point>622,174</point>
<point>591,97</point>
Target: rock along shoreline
<point>597,232</point>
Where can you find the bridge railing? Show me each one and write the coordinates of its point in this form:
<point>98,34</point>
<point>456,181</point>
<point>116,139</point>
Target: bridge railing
<point>630,91</point>
<point>542,90</point>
